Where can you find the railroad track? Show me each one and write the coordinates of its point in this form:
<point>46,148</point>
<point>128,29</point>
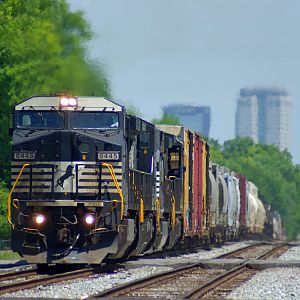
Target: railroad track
<point>171,285</point>
<point>179,282</point>
<point>253,251</point>
<point>16,275</point>
<point>221,286</point>
<point>43,280</point>
<point>31,278</point>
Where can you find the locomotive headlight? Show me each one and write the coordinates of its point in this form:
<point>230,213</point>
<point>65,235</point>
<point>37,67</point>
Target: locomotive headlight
<point>68,102</point>
<point>39,219</point>
<point>89,219</point>
<point>64,101</point>
<point>72,101</point>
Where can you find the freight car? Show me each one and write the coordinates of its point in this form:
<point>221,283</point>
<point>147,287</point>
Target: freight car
<point>90,183</point>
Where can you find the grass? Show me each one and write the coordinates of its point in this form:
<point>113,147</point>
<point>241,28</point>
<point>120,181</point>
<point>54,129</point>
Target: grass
<point>8,255</point>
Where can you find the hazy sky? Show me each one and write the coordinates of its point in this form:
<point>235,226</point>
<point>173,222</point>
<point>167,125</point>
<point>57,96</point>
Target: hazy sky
<point>158,52</point>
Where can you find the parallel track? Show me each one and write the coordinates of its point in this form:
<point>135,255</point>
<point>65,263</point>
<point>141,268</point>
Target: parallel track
<point>178,283</point>
<point>171,285</point>
<point>17,275</point>
<point>252,251</point>
<point>41,280</point>
<point>222,285</point>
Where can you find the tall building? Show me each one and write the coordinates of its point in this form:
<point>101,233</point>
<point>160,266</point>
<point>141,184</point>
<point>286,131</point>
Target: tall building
<point>194,117</point>
<point>264,115</point>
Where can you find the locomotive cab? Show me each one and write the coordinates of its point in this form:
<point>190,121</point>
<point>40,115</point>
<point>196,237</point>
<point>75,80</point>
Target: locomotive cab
<point>66,176</point>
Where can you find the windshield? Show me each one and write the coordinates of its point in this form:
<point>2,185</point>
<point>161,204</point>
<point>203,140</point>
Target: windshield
<point>94,120</point>
<point>33,119</point>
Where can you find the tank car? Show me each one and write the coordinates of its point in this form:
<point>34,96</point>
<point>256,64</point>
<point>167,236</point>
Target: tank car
<point>256,213</point>
<point>219,204</point>
<point>233,211</point>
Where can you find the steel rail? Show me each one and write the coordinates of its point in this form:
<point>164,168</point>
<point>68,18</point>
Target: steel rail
<point>18,274</point>
<point>212,284</point>
<point>235,253</point>
<point>48,279</point>
<point>215,283</point>
<point>276,251</point>
<point>158,279</point>
<point>146,281</point>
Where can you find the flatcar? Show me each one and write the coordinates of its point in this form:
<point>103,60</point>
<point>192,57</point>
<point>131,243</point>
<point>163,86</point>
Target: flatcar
<point>92,183</point>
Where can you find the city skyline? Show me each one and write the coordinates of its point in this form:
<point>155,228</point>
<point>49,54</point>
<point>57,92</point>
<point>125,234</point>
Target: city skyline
<point>201,52</point>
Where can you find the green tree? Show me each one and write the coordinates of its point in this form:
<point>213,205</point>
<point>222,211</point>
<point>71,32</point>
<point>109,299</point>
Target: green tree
<point>216,153</point>
<point>133,110</point>
<point>167,119</point>
<point>4,226</point>
<point>42,50</point>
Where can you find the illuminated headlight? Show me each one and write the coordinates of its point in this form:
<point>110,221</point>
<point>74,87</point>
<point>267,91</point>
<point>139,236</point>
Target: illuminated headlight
<point>89,219</point>
<point>72,101</point>
<point>39,219</point>
<point>65,102</point>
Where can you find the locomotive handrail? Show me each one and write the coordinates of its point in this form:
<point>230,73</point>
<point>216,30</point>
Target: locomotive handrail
<point>142,212</point>
<point>157,202</point>
<point>113,176</point>
<point>11,192</point>
<point>173,211</point>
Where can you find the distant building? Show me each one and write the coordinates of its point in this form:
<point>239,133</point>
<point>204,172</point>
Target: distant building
<point>265,116</point>
<point>194,117</point>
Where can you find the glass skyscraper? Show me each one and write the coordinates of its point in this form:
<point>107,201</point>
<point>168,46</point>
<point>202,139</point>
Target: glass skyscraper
<point>264,115</point>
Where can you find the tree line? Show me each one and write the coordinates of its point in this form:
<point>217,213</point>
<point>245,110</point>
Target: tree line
<point>42,50</point>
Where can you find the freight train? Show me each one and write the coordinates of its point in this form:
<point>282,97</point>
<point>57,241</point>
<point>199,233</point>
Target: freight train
<point>91,183</point>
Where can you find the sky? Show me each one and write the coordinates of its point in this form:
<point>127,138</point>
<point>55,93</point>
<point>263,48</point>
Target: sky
<point>201,52</point>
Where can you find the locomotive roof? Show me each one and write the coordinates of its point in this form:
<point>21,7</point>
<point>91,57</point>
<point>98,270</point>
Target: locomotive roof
<point>90,103</point>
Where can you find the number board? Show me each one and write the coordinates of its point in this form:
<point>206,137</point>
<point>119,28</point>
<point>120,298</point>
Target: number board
<point>109,155</point>
<point>25,155</point>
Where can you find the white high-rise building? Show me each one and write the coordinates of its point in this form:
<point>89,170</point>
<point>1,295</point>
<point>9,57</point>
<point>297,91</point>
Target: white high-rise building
<point>265,116</point>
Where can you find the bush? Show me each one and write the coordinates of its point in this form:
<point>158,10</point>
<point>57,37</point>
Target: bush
<point>4,226</point>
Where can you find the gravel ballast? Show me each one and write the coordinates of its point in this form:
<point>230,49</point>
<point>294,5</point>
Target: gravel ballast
<point>275,283</point>
<point>81,288</point>
<point>292,254</point>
